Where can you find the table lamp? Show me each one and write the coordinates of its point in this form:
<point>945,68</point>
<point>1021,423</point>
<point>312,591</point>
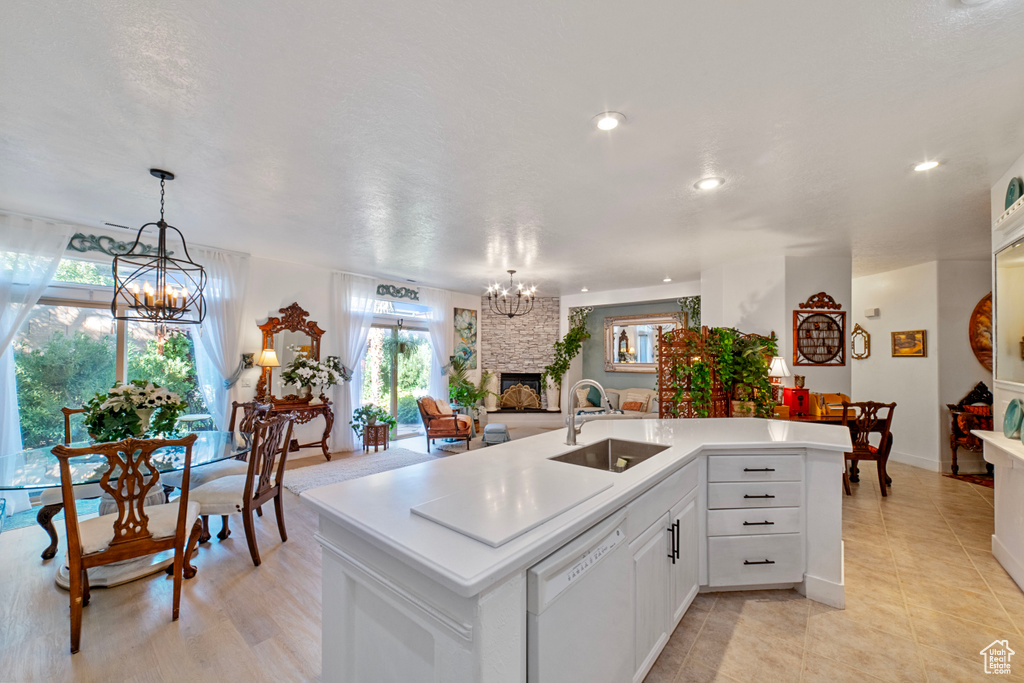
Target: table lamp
<point>268,359</point>
<point>776,372</point>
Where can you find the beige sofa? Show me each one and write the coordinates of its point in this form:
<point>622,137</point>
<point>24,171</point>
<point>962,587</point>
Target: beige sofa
<point>615,397</point>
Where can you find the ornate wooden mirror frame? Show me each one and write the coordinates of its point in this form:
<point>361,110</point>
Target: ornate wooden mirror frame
<point>614,343</point>
<point>860,343</point>
<point>293,319</point>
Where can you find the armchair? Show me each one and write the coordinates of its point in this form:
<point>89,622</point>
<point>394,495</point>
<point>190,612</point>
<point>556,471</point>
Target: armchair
<point>440,426</point>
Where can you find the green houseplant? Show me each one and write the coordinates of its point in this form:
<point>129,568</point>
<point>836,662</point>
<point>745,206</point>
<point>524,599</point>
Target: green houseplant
<point>370,414</point>
<point>567,348</point>
<point>462,391</point>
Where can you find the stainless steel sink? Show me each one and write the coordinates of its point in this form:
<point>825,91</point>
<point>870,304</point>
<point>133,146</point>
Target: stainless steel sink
<point>611,455</point>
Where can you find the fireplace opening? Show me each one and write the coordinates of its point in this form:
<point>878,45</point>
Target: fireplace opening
<point>520,391</point>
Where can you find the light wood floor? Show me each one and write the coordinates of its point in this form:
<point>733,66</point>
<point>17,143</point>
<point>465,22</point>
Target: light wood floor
<point>922,589</point>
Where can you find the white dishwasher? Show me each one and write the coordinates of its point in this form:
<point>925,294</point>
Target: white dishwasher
<point>580,609</point>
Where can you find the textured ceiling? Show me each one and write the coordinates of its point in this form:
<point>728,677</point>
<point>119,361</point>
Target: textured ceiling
<point>445,141</point>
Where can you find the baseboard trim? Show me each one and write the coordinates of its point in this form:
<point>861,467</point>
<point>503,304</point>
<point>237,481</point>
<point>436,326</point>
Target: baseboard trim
<point>1010,563</point>
<point>916,461</point>
<point>824,591</point>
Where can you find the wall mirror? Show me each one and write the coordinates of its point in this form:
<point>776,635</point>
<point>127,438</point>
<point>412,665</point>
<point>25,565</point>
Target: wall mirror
<point>631,341</point>
<point>1009,317</point>
<point>860,343</point>
<point>288,335</point>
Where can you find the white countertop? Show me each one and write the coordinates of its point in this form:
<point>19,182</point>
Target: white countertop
<point>1013,448</point>
<point>377,508</point>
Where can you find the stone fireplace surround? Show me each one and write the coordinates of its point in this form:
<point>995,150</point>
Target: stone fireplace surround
<point>520,345</point>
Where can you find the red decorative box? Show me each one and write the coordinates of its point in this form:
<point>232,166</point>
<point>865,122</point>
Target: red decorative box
<point>796,399</point>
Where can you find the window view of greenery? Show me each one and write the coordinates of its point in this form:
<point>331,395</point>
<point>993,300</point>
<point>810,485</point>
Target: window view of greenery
<point>83,273</point>
<point>64,355</point>
<point>411,349</point>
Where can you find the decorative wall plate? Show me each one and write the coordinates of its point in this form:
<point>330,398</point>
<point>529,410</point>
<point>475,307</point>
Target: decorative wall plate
<point>1012,419</point>
<point>1013,191</point>
<point>819,332</point>
<point>979,330</point>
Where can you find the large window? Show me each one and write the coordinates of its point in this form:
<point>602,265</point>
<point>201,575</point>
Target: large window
<point>70,348</point>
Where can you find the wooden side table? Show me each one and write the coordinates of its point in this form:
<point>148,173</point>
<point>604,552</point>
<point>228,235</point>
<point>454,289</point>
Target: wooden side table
<point>376,436</point>
<point>305,412</point>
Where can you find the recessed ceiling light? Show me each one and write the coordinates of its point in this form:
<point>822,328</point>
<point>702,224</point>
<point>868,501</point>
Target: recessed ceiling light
<point>609,120</point>
<point>584,290</point>
<point>926,165</point>
<point>668,279</point>
<point>709,183</point>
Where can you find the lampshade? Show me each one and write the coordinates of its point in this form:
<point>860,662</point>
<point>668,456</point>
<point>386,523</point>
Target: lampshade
<point>779,368</point>
<point>268,359</point>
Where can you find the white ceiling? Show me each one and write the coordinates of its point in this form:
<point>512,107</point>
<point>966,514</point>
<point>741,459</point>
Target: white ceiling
<point>445,141</point>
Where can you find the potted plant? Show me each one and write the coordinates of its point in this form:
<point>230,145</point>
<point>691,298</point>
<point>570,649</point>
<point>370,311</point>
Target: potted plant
<point>138,409</point>
<point>567,348</point>
<point>305,373</point>
<point>749,362</point>
<point>370,414</point>
<point>463,392</point>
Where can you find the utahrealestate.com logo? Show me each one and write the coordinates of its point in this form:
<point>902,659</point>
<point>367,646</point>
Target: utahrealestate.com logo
<point>997,657</point>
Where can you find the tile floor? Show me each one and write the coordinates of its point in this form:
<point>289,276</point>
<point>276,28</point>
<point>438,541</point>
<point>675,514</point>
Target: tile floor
<point>923,597</point>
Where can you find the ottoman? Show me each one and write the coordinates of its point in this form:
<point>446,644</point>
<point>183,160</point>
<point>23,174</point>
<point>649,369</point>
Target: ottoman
<point>495,432</point>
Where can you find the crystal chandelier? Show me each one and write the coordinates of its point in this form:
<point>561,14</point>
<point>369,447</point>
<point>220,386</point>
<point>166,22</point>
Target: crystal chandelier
<point>516,300</point>
<point>158,288</point>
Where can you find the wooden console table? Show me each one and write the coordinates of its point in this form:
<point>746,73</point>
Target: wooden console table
<point>306,412</point>
<point>376,436</point>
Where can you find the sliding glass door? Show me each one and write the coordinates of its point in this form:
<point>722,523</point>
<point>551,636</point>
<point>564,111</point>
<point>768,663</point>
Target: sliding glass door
<point>396,372</point>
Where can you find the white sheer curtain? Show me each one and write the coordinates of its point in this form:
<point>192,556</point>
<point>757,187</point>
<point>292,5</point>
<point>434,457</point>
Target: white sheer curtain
<point>30,251</point>
<point>352,299</point>
<point>439,325</point>
<point>218,354</point>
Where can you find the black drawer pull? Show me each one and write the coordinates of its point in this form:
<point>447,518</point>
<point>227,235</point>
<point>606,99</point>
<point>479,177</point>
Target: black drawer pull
<point>759,523</point>
<point>767,495</point>
<point>759,562</point>
<point>758,469</point>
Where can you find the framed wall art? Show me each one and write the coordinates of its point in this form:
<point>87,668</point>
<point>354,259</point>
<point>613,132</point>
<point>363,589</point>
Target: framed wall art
<point>860,343</point>
<point>465,336</point>
<point>819,332</point>
<point>910,344</point>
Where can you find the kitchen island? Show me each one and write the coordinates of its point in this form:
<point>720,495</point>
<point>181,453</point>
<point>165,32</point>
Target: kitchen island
<point>1007,541</point>
<point>426,568</point>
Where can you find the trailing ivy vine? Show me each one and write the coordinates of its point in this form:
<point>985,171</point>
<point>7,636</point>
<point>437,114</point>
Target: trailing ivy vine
<point>567,348</point>
<point>690,306</point>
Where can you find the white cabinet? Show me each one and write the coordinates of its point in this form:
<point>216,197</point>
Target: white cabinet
<point>651,593</point>
<point>665,579</point>
<point>685,572</point>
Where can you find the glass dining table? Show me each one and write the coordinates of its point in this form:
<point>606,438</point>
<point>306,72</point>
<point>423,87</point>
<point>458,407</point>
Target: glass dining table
<point>38,468</point>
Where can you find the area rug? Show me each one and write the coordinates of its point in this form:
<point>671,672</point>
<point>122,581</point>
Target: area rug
<point>305,478</point>
<point>979,479</point>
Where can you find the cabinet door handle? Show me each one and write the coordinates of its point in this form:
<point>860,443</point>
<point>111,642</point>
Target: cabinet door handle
<point>767,495</point>
<point>764,523</point>
<point>675,550</point>
<point>758,469</point>
<point>759,562</point>
<point>676,525</point>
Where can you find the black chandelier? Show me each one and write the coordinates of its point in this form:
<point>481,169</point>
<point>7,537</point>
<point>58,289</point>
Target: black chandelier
<point>160,288</point>
<point>516,300</point>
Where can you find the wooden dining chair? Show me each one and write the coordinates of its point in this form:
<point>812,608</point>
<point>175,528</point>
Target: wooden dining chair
<point>136,529</point>
<point>865,420</point>
<point>251,412</point>
<point>262,482</point>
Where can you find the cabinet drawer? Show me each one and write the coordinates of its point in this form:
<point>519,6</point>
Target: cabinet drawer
<point>755,560</point>
<point>755,521</point>
<point>652,504</point>
<point>773,494</point>
<point>755,468</point>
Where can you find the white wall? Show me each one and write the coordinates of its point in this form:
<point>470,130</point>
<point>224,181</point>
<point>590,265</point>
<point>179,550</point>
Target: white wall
<point>907,300</point>
<point>805,277</point>
<point>937,297</point>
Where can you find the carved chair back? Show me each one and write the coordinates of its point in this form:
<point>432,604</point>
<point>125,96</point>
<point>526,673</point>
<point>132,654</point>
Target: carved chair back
<point>68,412</point>
<point>129,477</point>
<point>865,419</point>
<point>251,411</point>
<point>270,437</point>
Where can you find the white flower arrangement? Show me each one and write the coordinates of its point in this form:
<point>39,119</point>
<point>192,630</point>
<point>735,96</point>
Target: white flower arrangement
<point>303,371</point>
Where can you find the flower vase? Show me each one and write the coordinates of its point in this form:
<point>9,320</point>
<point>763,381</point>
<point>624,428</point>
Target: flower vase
<point>145,415</point>
<point>305,391</point>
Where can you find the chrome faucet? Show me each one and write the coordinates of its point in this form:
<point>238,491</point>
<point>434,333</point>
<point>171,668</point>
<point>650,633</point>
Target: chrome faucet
<point>574,429</point>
